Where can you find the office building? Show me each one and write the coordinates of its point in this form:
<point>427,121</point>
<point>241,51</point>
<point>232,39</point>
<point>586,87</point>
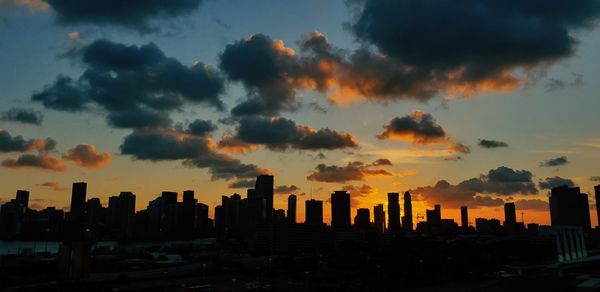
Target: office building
<point>291,211</point>
<point>569,207</point>
<point>464,217</point>
<point>379,217</point>
<point>407,219</point>
<point>314,212</point>
<point>340,209</point>
<point>394,212</point>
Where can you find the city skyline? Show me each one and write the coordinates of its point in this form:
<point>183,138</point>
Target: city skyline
<point>325,106</point>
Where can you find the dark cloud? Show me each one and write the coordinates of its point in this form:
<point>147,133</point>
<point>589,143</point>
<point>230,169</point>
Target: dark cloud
<point>25,116</point>
<point>201,127</point>
<point>133,14</point>
<point>502,181</point>
<point>353,171</point>
<point>267,69</point>
<point>359,191</point>
<point>285,189</point>
<point>41,161</point>
<point>64,94</point>
<point>242,184</point>
<point>382,161</point>
<point>559,161</point>
<point>195,151</point>
<point>458,58</point>
<point>55,186</point>
<point>556,181</point>
<point>420,128</point>
<point>137,85</point>
<point>554,84</point>
<point>9,143</point>
<point>595,178</point>
<point>533,204</point>
<point>280,134</point>
<point>87,156</point>
<point>490,144</point>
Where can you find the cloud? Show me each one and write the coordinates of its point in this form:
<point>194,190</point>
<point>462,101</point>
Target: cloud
<point>280,134</point>
<point>201,127</point>
<point>41,161</point>
<point>457,59</point>
<point>353,171</point>
<point>559,161</point>
<point>8,143</point>
<point>20,115</point>
<point>134,14</point>
<point>242,184</point>
<point>594,178</point>
<point>285,189</point>
<point>194,151</point>
<point>35,5</point>
<point>420,128</point>
<point>138,86</point>
<point>490,144</point>
<point>502,181</point>
<point>559,84</point>
<point>357,192</point>
<point>87,156</point>
<point>533,204</point>
<point>55,186</point>
<point>556,181</point>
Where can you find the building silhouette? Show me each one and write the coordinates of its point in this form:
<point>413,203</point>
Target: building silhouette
<point>314,212</point>
<point>434,217</point>
<point>263,192</point>
<point>78,194</point>
<point>569,207</point>
<point>510,214</point>
<point>291,211</point>
<point>23,198</point>
<point>362,220</point>
<point>340,209</point>
<point>597,197</point>
<point>379,217</point>
<point>407,219</point>
<point>464,217</point>
<point>188,213</point>
<point>393,212</point>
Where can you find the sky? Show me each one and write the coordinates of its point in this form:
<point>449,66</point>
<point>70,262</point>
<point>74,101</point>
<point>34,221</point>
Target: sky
<point>462,103</point>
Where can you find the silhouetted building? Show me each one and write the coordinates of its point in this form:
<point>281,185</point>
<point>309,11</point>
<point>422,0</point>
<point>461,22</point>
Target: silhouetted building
<point>314,212</point>
<point>188,220</point>
<point>407,219</point>
<point>291,211</point>
<point>434,217</point>
<point>597,197</point>
<point>340,209</point>
<point>393,212</point>
<point>362,220</point>
<point>510,214</point>
<point>126,215</point>
<point>279,216</point>
<point>264,193</point>
<point>23,198</point>
<point>569,207</point>
<point>379,217</point>
<point>488,226</point>
<point>464,217</point>
<point>78,193</point>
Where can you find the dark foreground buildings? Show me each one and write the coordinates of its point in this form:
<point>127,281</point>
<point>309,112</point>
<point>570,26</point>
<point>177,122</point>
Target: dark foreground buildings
<point>569,207</point>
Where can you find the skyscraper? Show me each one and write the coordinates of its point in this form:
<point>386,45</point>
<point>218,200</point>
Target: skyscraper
<point>510,214</point>
<point>340,209</point>
<point>314,212</point>
<point>434,217</point>
<point>78,194</point>
<point>407,219</point>
<point>568,206</point>
<point>464,217</point>
<point>394,212</point>
<point>188,220</point>
<point>23,198</point>
<point>264,192</point>
<point>291,211</point>
<point>379,217</point>
<point>597,193</point>
<point>362,219</point>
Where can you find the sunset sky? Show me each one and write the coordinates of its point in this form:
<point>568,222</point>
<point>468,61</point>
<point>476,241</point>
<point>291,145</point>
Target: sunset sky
<point>461,102</point>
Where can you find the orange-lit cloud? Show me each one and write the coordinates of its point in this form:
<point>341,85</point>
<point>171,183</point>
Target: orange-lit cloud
<point>40,161</point>
<point>87,156</point>
<point>34,5</point>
